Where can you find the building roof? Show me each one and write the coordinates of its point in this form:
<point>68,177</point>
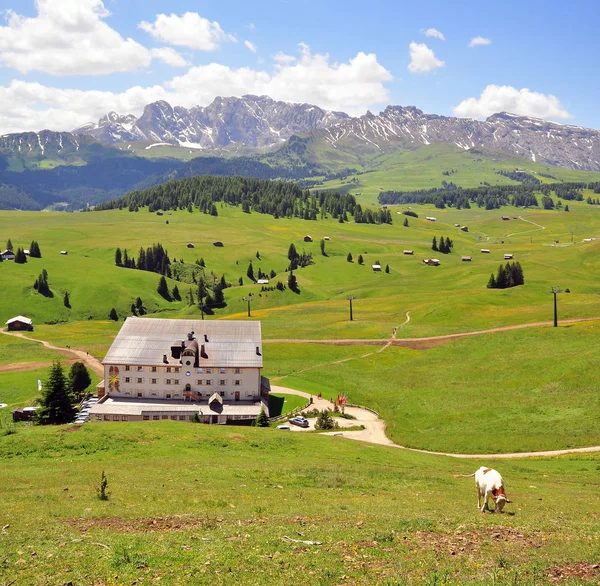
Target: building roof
<point>120,406</point>
<point>145,341</point>
<point>20,318</point>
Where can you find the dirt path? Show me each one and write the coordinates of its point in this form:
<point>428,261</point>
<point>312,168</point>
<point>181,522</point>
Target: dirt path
<point>24,366</point>
<point>77,355</point>
<point>374,432</point>
<point>425,342</point>
<point>539,227</point>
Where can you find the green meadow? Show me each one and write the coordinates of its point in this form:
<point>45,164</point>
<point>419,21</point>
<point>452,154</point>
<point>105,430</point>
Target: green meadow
<point>194,504</point>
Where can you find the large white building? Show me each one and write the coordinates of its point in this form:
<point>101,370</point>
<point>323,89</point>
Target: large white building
<point>174,369</point>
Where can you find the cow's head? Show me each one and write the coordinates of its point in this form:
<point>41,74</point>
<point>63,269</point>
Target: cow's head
<point>501,500</point>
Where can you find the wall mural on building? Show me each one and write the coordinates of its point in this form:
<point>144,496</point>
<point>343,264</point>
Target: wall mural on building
<point>113,379</point>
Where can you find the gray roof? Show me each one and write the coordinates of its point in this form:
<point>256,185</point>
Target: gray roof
<point>20,318</point>
<point>144,341</point>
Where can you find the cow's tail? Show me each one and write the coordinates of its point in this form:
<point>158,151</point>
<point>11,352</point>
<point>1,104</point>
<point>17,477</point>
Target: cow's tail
<point>464,475</point>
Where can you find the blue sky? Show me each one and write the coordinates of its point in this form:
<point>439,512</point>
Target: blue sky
<point>66,62</point>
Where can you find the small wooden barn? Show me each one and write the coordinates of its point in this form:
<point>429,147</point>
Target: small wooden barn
<point>485,250</point>
<point>218,244</point>
<point>508,256</point>
<point>506,217</point>
<point>190,245</point>
<point>23,414</point>
<point>64,252</point>
<point>7,255</point>
<point>432,262</point>
<point>464,228</point>
<point>19,324</point>
<point>409,252</point>
<point>376,268</point>
<point>466,258</point>
<point>307,239</point>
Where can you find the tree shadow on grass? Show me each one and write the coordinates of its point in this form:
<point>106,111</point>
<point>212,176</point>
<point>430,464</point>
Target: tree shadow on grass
<point>275,405</point>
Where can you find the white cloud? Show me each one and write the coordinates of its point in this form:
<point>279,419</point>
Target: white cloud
<point>432,32</point>
<point>70,37</point>
<point>169,56</point>
<point>505,98</point>
<point>475,41</point>
<point>284,58</point>
<point>251,46</point>
<point>352,86</point>
<point>189,30</point>
<point>422,58</point>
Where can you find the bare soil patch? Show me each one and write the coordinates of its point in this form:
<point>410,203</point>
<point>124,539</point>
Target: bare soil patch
<point>70,429</point>
<point>145,524</point>
<point>581,570</point>
<point>469,542</point>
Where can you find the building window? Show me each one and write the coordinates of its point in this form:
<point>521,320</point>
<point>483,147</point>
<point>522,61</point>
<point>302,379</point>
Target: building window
<point>168,369</point>
<point>115,418</point>
<point>176,395</point>
<point>107,418</point>
<point>182,418</point>
<point>140,395</point>
<point>140,381</point>
<point>168,395</point>
<point>98,417</point>
<point>127,367</point>
<point>125,418</point>
<point>146,417</point>
<point>223,370</point>
<point>200,371</point>
<point>176,381</point>
<point>208,382</point>
<point>153,381</point>
<point>140,368</point>
<point>127,379</point>
<point>165,417</point>
<point>222,393</point>
<point>208,370</point>
<point>222,382</point>
<point>236,371</point>
<point>177,370</point>
<point>237,382</point>
<point>155,417</point>
<point>168,381</point>
<point>199,382</point>
<point>174,417</point>
<point>154,369</point>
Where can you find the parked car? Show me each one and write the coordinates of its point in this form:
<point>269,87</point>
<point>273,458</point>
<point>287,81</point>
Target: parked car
<point>284,427</point>
<point>299,421</point>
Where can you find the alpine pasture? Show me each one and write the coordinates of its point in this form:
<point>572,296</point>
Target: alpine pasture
<point>221,505</point>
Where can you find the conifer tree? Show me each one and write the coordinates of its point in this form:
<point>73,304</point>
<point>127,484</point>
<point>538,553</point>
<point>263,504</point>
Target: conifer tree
<point>20,257</point>
<point>66,300</point>
<point>349,257</point>
<point>387,269</point>
<point>360,259</point>
<point>79,380</point>
<point>113,315</point>
<point>9,245</point>
<point>55,404</point>
<point>250,272</point>
<point>293,283</point>
<point>175,293</point>
<point>163,289</point>
<point>434,245</point>
<point>405,222</point>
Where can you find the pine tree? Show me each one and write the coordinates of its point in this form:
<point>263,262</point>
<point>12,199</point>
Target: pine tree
<point>272,274</point>
<point>66,300</point>
<point>250,272</point>
<point>349,257</point>
<point>258,255</point>
<point>360,259</point>
<point>133,309</point>
<point>387,269</point>
<point>202,291</point>
<point>139,305</point>
<point>322,245</point>
<point>442,245</point>
<point>9,245</point>
<point>20,257</point>
<point>118,258</point>
<point>163,289</point>
<point>492,282</point>
<point>292,253</point>
<point>175,294</point>
<point>434,245</point>
<point>34,250</point>
<point>293,283</point>
<point>567,208</point>
<point>262,419</point>
<point>113,315</point>
<point>191,297</point>
<point>55,404</point>
<point>240,281</point>
<point>79,380</point>
<point>405,222</point>
<point>501,278</point>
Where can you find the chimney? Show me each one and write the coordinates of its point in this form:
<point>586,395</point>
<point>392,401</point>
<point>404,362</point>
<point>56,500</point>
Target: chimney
<point>165,359</point>
<point>258,351</point>
<point>205,338</point>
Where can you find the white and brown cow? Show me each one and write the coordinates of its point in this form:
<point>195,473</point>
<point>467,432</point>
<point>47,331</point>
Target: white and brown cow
<point>489,484</point>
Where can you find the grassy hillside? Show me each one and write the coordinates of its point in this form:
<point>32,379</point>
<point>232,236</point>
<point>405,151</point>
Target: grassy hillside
<point>423,169</point>
<point>214,505</point>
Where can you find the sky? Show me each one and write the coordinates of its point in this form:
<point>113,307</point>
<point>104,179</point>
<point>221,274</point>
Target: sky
<point>64,63</point>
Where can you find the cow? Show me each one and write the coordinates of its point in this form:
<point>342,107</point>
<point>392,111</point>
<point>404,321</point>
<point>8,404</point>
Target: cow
<point>489,483</point>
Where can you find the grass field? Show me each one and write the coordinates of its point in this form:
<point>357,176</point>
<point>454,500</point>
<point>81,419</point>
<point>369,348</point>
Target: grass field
<point>382,516</point>
<point>423,169</point>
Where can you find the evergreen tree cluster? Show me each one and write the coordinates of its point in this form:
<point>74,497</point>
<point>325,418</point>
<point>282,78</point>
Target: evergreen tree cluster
<point>34,250</point>
<point>487,196</point>
<point>508,275</point>
<point>445,245</point>
<point>281,199</point>
<point>41,284</point>
<point>520,176</point>
<point>20,256</point>
<point>594,201</point>
<point>298,260</point>
<point>154,259</point>
<point>55,402</point>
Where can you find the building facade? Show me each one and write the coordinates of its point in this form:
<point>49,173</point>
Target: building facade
<point>180,369</point>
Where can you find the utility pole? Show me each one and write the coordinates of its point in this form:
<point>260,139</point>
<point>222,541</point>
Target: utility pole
<point>350,298</point>
<point>248,298</point>
<point>554,292</point>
